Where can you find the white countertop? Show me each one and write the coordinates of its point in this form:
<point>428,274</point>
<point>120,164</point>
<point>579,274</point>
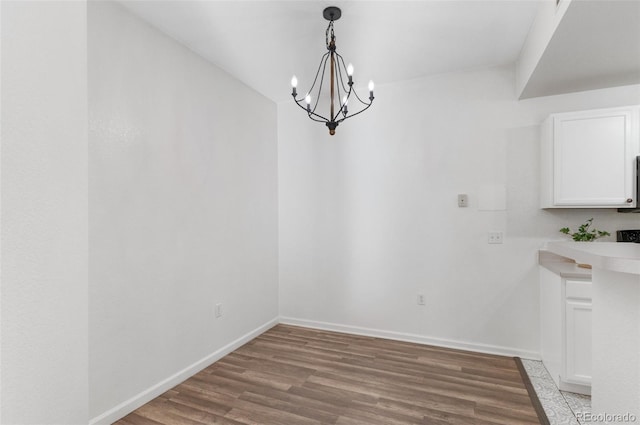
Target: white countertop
<point>613,256</point>
<point>562,266</point>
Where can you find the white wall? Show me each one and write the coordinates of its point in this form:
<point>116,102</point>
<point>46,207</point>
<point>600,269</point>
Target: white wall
<point>369,217</point>
<point>44,213</point>
<point>183,209</point>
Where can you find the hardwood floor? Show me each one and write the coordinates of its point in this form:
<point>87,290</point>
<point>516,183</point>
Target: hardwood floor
<point>297,376</point>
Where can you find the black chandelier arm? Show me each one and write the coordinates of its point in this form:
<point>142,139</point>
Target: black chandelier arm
<point>367,106</point>
<point>350,88</point>
<point>361,101</point>
<point>342,105</point>
<point>347,91</point>
<point>337,66</point>
<point>359,112</point>
<point>324,68</point>
<point>340,71</point>
<point>323,119</point>
<point>323,59</point>
<point>354,92</point>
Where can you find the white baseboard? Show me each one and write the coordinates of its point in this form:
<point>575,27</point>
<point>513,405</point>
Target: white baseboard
<point>419,339</point>
<point>128,406</point>
<point>575,388</point>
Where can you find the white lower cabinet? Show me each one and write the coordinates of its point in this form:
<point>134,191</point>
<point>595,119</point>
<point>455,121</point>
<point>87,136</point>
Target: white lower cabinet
<point>565,329</point>
<point>577,364</point>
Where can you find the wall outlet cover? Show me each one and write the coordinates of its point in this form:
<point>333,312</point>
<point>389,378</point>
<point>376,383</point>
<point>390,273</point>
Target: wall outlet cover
<point>495,237</point>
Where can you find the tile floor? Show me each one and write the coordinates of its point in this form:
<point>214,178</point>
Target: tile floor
<point>561,407</point>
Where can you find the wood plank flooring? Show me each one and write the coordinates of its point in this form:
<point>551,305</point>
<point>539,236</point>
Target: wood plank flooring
<point>297,376</point>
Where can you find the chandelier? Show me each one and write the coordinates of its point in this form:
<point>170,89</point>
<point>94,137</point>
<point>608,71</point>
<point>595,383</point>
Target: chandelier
<point>337,88</point>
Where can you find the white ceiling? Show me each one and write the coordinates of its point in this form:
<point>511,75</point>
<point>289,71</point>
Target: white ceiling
<point>263,43</point>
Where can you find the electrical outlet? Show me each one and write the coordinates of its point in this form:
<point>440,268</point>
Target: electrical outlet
<point>420,299</point>
<point>463,200</point>
<point>218,310</point>
<point>495,237</point>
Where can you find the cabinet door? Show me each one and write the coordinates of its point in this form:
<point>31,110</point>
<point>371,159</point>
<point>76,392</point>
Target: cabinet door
<point>594,154</point>
<point>578,341</point>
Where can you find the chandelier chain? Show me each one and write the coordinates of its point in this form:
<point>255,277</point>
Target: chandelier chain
<point>326,35</point>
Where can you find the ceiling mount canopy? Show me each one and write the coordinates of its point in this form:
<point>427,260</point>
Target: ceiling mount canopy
<point>332,13</point>
<point>338,71</point>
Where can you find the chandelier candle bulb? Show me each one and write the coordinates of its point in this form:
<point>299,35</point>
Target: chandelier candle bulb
<point>350,73</point>
<point>294,84</point>
<point>344,105</point>
<point>371,86</point>
<point>307,99</point>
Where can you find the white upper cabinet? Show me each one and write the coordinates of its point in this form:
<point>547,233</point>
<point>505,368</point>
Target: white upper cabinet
<point>588,159</point>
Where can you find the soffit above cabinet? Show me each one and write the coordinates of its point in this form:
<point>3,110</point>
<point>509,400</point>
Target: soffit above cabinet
<point>596,44</point>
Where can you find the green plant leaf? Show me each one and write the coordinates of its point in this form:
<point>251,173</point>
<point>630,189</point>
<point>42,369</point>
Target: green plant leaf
<point>584,234</point>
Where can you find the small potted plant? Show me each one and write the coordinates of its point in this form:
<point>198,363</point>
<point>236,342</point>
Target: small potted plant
<point>585,234</point>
